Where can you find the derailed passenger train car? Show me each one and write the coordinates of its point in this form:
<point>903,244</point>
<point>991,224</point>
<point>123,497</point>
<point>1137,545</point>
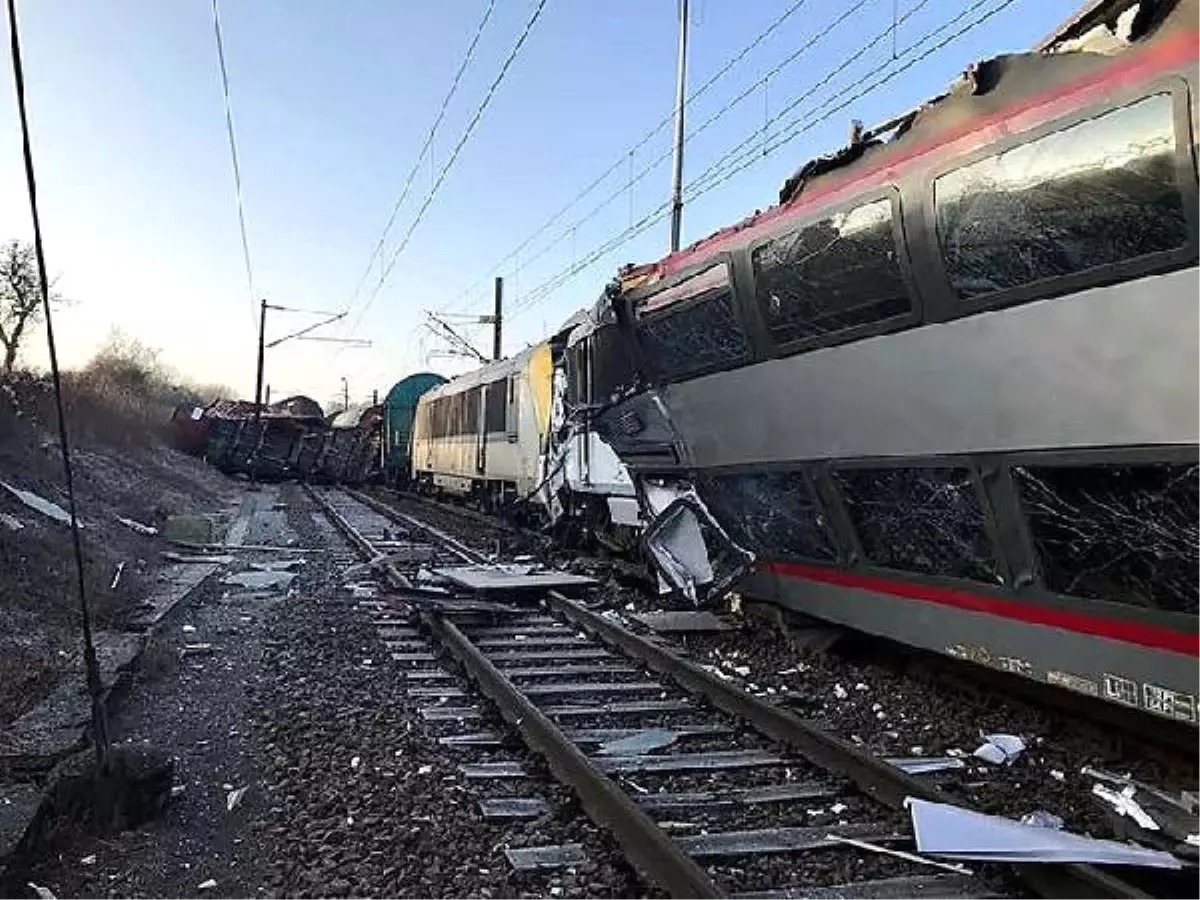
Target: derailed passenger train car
<point>515,436</point>
<point>946,390</point>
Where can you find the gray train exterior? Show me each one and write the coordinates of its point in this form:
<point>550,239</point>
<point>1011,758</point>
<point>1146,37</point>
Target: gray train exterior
<point>946,391</point>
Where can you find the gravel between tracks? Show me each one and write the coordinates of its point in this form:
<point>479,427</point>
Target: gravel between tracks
<point>283,706</point>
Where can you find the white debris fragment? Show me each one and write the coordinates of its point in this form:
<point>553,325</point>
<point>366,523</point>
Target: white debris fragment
<point>355,762</point>
<point>1122,801</point>
<point>234,798</point>
<point>11,522</point>
<point>45,507</point>
<point>207,885</point>
<point>862,687</point>
<point>840,692</point>
<point>178,790</point>
<point>43,893</point>
<point>137,526</point>
<point>1040,818</point>
<point>1057,775</point>
<point>89,860</point>
<point>188,629</point>
<point>876,707</point>
<point>744,671</point>
<point>838,808</point>
<point>1000,749</point>
<point>424,770</point>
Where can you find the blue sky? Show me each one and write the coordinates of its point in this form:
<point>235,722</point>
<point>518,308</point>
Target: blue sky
<point>332,100</point>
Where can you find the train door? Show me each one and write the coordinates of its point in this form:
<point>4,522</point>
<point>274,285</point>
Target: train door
<point>476,418</point>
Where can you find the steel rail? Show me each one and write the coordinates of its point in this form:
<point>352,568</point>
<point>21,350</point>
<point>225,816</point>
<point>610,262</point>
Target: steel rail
<point>646,845</point>
<point>872,775</point>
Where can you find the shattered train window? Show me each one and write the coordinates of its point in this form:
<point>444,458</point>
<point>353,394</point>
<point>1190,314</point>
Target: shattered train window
<point>772,513</point>
<point>830,276</point>
<point>1122,533</point>
<point>698,329</point>
<point>924,520</point>
<point>1100,192</point>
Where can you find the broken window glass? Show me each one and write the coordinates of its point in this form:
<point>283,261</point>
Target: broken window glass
<point>1122,533</point>
<point>699,329</point>
<point>830,276</point>
<point>926,520</point>
<point>775,514</point>
<point>1100,192</point>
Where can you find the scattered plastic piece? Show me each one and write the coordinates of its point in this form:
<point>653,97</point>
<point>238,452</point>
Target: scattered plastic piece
<point>355,762</point>
<point>43,893</point>
<point>840,692</point>
<point>942,829</point>
<point>11,522</point>
<point>189,629</point>
<point>424,770</point>
<point>89,860</point>
<point>1122,801</point>
<point>45,507</point>
<point>1057,775</point>
<point>1000,749</point>
<point>207,885</point>
<point>137,526</point>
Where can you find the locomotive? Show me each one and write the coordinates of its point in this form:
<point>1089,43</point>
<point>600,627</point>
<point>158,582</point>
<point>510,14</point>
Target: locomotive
<point>945,391</point>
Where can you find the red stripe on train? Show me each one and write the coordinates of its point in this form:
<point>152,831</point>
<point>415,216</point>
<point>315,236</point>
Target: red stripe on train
<point>1147,635</point>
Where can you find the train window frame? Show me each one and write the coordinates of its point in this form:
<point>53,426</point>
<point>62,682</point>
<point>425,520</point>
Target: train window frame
<point>949,306</point>
<point>838,508</point>
<point>777,349</point>
<point>646,362</point>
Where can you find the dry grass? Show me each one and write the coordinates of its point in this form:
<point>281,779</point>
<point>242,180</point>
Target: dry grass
<point>123,397</point>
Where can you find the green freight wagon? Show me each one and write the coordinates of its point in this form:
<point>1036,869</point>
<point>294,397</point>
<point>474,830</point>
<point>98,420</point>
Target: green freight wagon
<point>399,406</point>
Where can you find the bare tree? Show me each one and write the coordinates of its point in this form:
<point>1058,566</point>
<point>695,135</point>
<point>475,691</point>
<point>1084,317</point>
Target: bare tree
<point>20,298</point>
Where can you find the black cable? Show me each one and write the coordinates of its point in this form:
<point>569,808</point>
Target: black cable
<point>408,182</point>
<point>698,187</point>
<point>445,170</point>
<point>237,169</point>
<point>645,139</point>
<point>95,688</point>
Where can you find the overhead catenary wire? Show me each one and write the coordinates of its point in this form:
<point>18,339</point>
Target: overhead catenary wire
<point>626,157</point>
<point>746,154</point>
<point>458,147</point>
<point>712,119</point>
<point>237,169</point>
<point>91,664</point>
<point>426,147</point>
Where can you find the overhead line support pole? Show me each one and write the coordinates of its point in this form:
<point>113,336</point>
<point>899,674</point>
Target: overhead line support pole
<point>497,332</point>
<point>680,101</point>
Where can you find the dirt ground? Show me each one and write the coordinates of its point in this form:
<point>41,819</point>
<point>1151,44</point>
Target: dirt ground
<point>39,606</point>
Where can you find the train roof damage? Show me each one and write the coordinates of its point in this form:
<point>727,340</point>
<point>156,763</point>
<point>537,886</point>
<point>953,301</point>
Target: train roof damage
<point>966,112</point>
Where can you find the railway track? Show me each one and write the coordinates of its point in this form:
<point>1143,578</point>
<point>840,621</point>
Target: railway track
<point>740,798</point>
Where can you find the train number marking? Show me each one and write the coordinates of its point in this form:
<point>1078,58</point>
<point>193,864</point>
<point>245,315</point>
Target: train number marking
<point>1120,690</point>
<point>1166,702</point>
<point>1073,682</point>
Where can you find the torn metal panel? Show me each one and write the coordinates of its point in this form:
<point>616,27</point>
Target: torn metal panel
<point>557,857</point>
<point>668,622</point>
<point>691,552</point>
<point>511,578</point>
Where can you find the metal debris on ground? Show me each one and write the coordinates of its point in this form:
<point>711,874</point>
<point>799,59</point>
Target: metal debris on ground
<point>117,573</point>
<point>43,893</point>
<point>642,742</point>
<point>1151,809</point>
<point>900,854</point>
<point>207,885</point>
<point>11,522</point>
<point>670,621</point>
<point>281,565</point>
<point>133,525</point>
<point>39,504</point>
<point>509,578</point>
<point>949,831</point>
<point>925,765</point>
<point>1000,749</point>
